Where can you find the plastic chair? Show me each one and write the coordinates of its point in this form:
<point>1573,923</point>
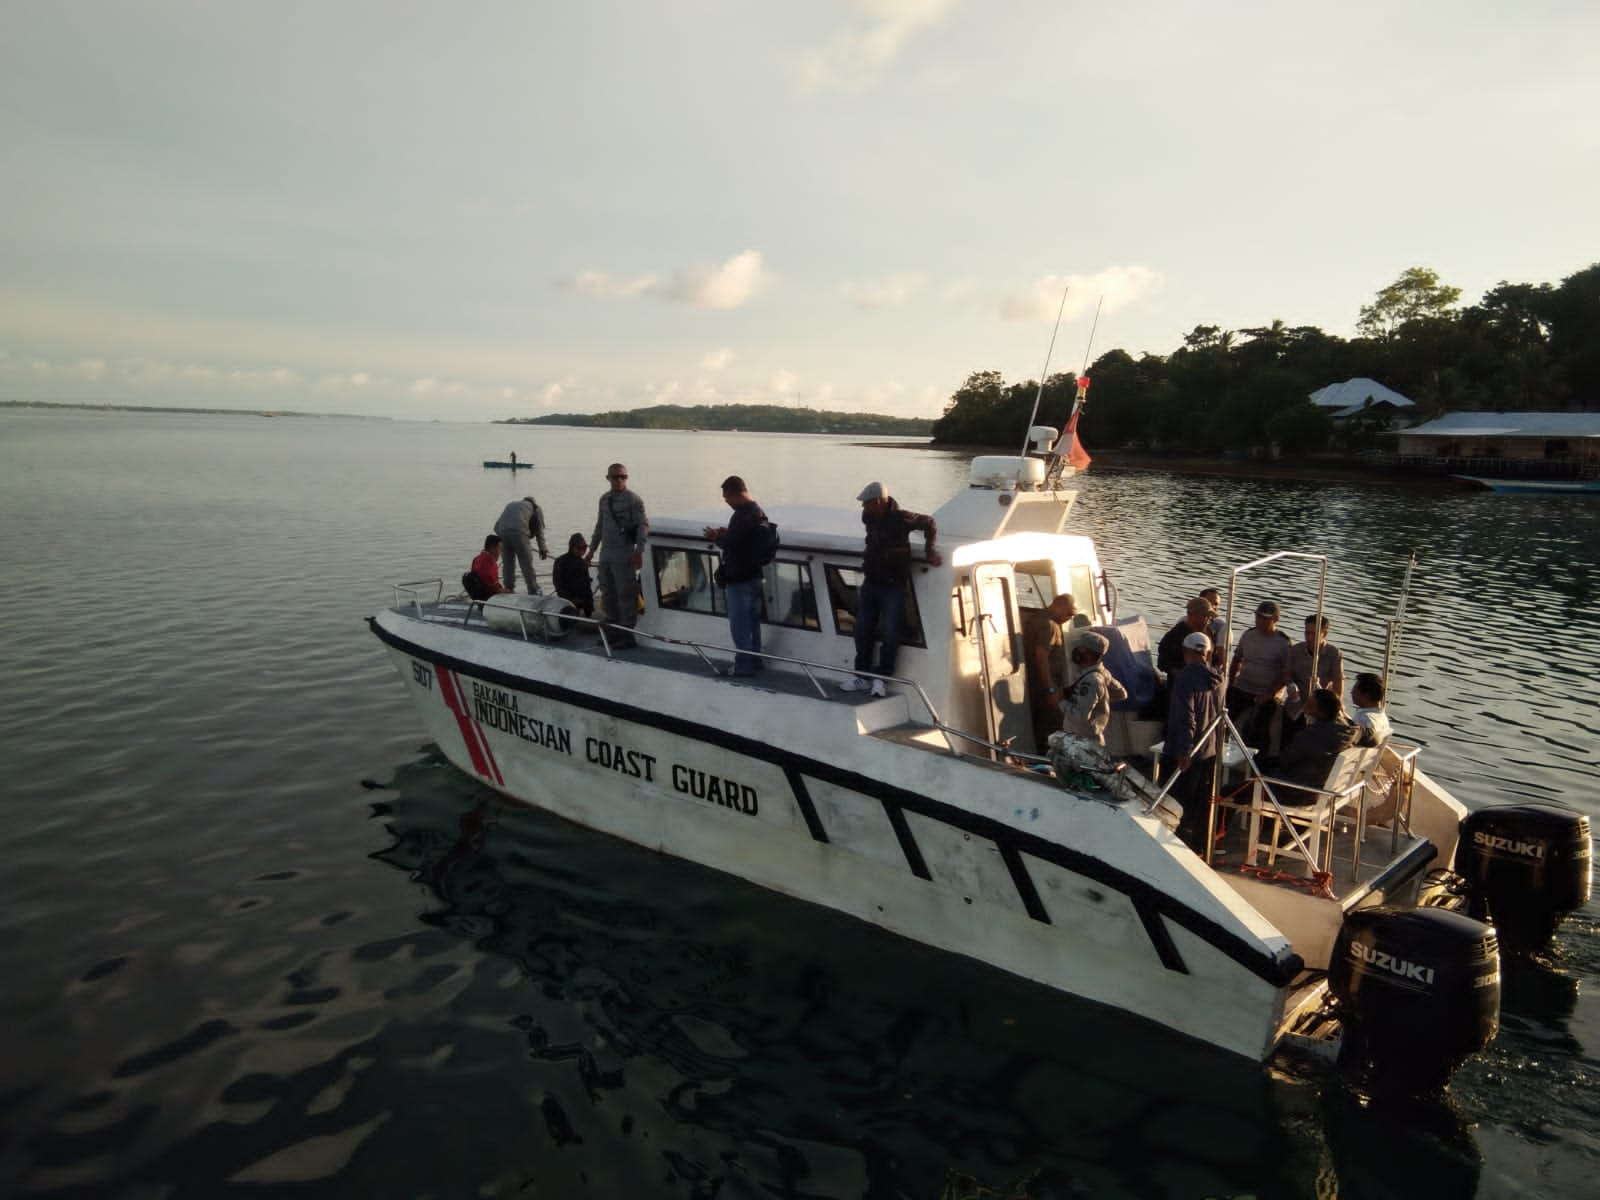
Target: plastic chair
<point>1345,786</point>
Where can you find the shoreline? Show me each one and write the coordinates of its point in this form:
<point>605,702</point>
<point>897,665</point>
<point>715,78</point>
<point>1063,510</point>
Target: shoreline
<point>1333,469</point>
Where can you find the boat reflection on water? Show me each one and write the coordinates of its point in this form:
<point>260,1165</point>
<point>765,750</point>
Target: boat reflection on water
<point>707,1027</point>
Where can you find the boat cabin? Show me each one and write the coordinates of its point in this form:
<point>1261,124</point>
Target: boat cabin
<point>1003,558</point>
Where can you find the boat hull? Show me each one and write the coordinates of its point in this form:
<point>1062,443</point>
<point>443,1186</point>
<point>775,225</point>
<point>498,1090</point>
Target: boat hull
<point>1092,898</point>
<point>1552,487</point>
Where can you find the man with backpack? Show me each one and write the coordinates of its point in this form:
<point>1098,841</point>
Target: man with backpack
<point>482,581</point>
<point>520,525</point>
<point>747,542</point>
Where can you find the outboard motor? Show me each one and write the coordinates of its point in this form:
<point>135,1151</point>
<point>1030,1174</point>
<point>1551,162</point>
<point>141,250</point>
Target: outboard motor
<point>1530,863</point>
<point>1417,990</point>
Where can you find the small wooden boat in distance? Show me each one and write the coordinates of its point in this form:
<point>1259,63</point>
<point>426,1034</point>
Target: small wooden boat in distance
<point>509,466</point>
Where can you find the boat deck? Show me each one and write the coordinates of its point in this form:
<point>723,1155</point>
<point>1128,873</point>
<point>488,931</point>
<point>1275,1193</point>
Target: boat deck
<point>886,718</point>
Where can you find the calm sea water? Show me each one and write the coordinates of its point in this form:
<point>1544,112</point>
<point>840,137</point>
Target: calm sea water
<point>258,938</point>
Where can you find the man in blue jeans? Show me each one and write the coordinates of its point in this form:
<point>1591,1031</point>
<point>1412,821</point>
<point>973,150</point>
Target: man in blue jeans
<point>741,544</point>
<point>885,572</point>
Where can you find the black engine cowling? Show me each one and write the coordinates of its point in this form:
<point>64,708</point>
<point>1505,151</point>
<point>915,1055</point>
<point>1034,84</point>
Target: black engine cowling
<point>1418,990</point>
<point>1530,863</point>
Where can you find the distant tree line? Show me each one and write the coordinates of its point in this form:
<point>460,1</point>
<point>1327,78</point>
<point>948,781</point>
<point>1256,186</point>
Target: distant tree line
<point>758,418</point>
<point>1522,347</point>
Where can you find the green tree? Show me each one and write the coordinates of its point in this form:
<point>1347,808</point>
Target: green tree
<point>1300,428</point>
<point>1415,295</point>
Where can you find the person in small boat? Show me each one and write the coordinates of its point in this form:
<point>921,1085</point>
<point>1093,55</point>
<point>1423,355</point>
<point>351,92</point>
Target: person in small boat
<point>483,580</point>
<point>1307,760</point>
<point>1188,749</point>
<point>1257,675</point>
<point>1086,705</point>
<point>740,543</point>
<point>620,529</point>
<point>1329,674</point>
<point>520,526</point>
<point>885,575</point>
<point>1169,651</point>
<point>1367,695</point>
<point>1042,643</point>
<point>569,575</point>
<point>513,458</point>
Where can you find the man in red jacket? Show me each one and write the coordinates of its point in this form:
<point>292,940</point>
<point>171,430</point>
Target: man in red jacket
<point>483,580</point>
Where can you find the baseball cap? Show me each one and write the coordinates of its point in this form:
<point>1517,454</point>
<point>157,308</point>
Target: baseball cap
<point>873,491</point>
<point>1198,642</point>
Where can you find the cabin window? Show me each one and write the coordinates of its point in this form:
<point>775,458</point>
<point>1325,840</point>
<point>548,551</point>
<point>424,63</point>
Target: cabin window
<point>683,581</point>
<point>1081,582</point>
<point>842,584</point>
<point>790,600</point>
<point>1036,586</point>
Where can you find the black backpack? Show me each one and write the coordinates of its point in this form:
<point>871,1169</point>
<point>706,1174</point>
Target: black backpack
<point>767,546</point>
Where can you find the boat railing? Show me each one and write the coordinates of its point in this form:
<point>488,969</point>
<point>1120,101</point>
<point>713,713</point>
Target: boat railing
<point>542,631</point>
<point>414,591</point>
<point>1253,779</point>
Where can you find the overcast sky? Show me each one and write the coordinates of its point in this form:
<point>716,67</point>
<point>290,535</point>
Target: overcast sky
<point>480,210</point>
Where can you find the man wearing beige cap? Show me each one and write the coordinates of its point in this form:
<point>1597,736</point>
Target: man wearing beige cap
<point>885,573</point>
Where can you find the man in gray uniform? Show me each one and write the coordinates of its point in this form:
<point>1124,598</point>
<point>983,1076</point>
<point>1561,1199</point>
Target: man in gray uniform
<point>620,530</point>
<point>521,523</point>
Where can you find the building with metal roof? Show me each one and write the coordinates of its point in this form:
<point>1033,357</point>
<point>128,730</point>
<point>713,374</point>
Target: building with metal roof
<point>1353,396</point>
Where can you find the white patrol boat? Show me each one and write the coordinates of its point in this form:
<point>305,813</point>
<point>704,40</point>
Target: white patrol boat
<point>928,811</point>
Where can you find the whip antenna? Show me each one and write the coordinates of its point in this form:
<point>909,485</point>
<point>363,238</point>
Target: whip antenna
<point>1069,432</point>
<point>1090,345</point>
<point>1044,371</point>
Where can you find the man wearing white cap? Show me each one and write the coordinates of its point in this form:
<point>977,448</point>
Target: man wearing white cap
<point>885,572</point>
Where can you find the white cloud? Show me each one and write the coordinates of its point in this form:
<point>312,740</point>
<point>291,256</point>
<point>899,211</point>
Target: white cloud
<point>729,286</point>
<point>1040,300</point>
<point>604,287</point>
<point>90,368</point>
<point>552,393</point>
<point>425,387</point>
<point>882,293</point>
<point>859,58</point>
<point>784,384</point>
<point>255,380</point>
<point>715,360</point>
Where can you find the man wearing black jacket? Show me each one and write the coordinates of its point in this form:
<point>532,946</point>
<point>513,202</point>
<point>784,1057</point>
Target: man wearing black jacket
<point>885,571</point>
<point>740,542</point>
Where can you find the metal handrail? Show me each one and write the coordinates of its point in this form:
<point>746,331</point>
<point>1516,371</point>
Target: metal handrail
<point>416,600</point>
<point>808,667</point>
<point>1252,769</point>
